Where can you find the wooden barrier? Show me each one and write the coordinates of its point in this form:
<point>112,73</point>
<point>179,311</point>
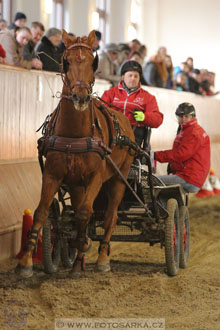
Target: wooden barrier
<point>26,98</point>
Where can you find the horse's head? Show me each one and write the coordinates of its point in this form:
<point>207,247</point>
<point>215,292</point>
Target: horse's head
<point>79,65</point>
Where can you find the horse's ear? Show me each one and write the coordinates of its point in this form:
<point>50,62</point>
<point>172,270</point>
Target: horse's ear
<point>66,38</point>
<point>91,38</point>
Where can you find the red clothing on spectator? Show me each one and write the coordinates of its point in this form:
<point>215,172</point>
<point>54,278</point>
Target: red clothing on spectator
<point>190,156</point>
<point>140,100</point>
<point>2,51</point>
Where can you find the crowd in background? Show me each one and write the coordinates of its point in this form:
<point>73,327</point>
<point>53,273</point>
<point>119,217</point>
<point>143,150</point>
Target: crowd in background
<point>158,71</point>
<point>35,48</point>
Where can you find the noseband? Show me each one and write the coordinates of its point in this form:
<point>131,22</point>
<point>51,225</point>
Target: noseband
<point>79,58</point>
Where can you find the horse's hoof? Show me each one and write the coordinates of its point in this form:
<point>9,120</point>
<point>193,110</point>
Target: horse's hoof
<point>79,266</point>
<point>23,271</point>
<point>103,267</point>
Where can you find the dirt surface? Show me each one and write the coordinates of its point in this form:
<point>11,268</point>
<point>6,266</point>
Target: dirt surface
<point>137,286</point>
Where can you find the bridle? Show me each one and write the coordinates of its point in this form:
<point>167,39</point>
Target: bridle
<point>79,58</point>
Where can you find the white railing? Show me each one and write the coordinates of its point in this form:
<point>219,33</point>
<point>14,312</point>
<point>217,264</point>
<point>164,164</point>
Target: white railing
<point>26,98</point>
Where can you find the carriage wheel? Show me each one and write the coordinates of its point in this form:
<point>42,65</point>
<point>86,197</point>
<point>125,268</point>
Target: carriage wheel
<point>68,254</point>
<point>51,244</point>
<point>184,236</point>
<point>172,238</point>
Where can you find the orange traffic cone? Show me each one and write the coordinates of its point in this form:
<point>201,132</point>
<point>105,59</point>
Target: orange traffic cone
<point>206,189</point>
<point>214,180</point>
<point>26,227</point>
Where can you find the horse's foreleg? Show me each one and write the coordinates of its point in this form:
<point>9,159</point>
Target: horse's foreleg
<point>49,188</point>
<point>115,194</point>
<point>83,206</point>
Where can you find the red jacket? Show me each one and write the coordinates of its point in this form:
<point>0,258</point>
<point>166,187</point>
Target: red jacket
<point>190,156</point>
<point>139,99</point>
<point>2,51</point>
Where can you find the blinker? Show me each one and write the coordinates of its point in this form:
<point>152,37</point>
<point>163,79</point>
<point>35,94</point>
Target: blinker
<point>95,63</point>
<point>65,65</point>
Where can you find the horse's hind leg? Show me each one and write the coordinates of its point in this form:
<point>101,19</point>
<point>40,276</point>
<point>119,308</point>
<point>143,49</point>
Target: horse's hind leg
<point>115,194</point>
<point>49,188</point>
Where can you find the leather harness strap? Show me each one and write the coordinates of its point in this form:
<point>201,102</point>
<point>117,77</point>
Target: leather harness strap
<point>76,145</point>
<point>112,122</point>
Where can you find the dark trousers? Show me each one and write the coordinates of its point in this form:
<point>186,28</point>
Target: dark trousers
<point>139,133</point>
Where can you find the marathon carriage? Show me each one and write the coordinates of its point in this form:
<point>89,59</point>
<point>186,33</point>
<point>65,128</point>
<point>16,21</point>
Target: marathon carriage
<point>150,212</point>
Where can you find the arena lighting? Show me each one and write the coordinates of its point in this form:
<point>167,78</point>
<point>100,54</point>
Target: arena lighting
<point>95,20</point>
<point>48,6</point>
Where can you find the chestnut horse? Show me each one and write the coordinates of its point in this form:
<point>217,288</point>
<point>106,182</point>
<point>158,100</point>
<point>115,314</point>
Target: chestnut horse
<point>82,129</point>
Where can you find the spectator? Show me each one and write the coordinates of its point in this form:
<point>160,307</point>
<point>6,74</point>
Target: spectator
<point>13,43</point>
<point>3,24</point>
<point>189,157</point>
<point>155,72</point>
<point>134,46</point>
<point>169,66</point>
<point>189,61</point>
<point>194,81</point>
<point>49,46</point>
<point>2,56</point>
<point>205,84</point>
<point>143,53</point>
<point>107,68</point>
<point>136,57</point>
<point>211,79</point>
<point>37,30</point>
<point>181,82</point>
<point>123,53</point>
<point>96,45</point>
<point>184,67</point>
<point>162,51</point>
<point>19,21</point>
<point>134,102</point>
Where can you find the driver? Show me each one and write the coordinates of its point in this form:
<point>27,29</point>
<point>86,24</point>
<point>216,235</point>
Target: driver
<point>189,157</point>
<point>134,102</point>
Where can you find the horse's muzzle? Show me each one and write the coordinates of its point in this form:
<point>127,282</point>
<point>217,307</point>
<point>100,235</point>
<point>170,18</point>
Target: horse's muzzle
<point>81,102</point>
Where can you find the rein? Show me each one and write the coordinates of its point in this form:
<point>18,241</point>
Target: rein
<point>114,106</point>
<point>109,104</point>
